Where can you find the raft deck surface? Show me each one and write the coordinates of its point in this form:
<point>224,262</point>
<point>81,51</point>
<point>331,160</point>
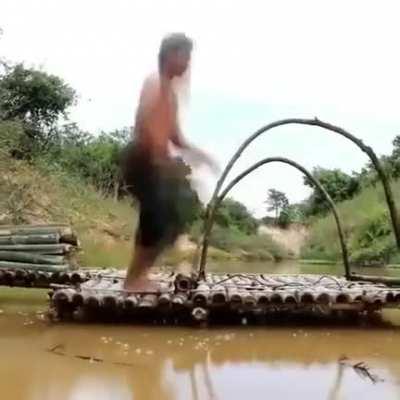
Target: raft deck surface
<point>218,296</point>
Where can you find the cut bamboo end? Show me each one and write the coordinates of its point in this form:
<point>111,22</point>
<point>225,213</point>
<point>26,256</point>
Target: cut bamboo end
<point>77,299</point>
<point>249,300</point>
<point>148,301</point>
<point>92,301</point>
<point>63,296</point>
<point>289,298</point>
<point>201,295</point>
<point>263,299</point>
<point>200,314</point>
<point>343,298</point>
<point>218,295</point>
<point>77,277</point>
<point>130,302</point>
<point>276,298</point>
<point>109,302</point>
<point>165,300</point>
<point>234,297</point>
<point>307,298</point>
<point>323,298</point>
<point>20,275</point>
<point>389,297</point>
<point>184,283</point>
<point>218,298</point>
<point>180,300</point>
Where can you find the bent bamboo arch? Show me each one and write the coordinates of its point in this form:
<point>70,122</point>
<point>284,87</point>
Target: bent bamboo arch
<point>217,201</point>
<point>316,122</point>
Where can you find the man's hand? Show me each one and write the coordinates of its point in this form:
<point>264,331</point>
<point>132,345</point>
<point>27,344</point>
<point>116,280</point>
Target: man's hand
<point>199,157</point>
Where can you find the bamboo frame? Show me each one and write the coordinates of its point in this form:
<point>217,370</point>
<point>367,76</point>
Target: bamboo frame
<point>211,208</point>
<point>217,201</point>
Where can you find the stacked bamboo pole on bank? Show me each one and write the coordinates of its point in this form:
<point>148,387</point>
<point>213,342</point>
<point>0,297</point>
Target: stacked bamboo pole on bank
<point>37,255</point>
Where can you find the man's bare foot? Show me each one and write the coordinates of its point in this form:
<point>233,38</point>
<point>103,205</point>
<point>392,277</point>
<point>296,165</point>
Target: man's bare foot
<point>141,285</point>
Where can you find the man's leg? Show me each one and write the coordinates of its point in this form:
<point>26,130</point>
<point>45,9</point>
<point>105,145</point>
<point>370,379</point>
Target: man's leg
<point>148,242</point>
<point>137,276</point>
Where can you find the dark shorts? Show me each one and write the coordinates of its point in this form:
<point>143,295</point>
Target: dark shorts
<point>161,192</point>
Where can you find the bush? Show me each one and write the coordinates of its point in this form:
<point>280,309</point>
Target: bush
<point>250,247</point>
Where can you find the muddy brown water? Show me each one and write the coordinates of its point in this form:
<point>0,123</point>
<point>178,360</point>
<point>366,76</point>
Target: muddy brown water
<point>45,361</point>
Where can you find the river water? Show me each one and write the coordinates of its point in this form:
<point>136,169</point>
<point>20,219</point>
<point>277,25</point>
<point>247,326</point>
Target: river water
<point>46,361</point>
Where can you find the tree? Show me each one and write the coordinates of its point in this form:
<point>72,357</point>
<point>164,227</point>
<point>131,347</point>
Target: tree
<point>276,201</point>
<point>233,214</point>
<point>291,214</point>
<point>96,159</point>
<point>337,183</point>
<point>38,100</point>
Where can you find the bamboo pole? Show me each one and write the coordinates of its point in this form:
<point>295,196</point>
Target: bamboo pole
<point>53,238</point>
<point>18,256</point>
<point>214,204</point>
<point>29,266</point>
<point>49,249</point>
<point>376,279</point>
<point>9,230</point>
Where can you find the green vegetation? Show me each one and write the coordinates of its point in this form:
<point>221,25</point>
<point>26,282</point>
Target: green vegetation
<point>367,228</point>
<point>339,185</point>
<point>363,211</point>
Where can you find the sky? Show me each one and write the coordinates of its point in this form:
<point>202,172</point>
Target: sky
<point>254,62</point>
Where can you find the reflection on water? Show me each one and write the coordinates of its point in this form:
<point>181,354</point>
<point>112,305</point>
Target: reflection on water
<point>105,362</point>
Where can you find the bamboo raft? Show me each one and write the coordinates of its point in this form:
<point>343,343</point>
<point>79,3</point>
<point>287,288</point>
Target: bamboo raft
<point>205,297</point>
<point>219,297</point>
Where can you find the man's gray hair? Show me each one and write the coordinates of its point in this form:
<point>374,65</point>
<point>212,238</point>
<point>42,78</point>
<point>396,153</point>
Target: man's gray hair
<point>173,42</point>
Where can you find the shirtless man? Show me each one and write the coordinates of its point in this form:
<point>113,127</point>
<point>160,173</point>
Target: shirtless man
<point>150,171</point>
